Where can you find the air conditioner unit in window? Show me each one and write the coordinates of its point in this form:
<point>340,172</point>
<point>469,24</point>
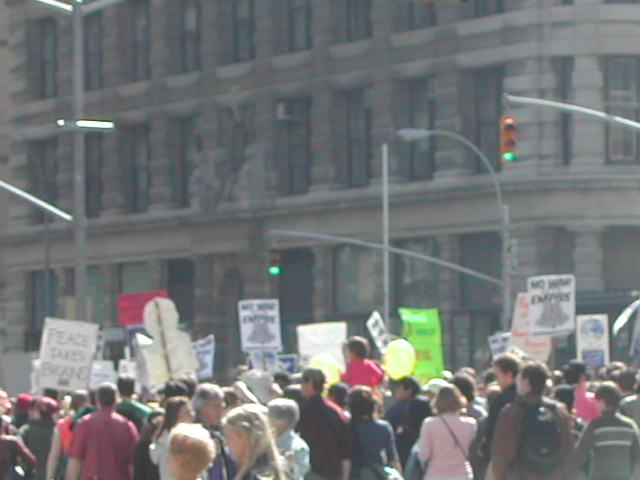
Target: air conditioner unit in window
<point>285,111</point>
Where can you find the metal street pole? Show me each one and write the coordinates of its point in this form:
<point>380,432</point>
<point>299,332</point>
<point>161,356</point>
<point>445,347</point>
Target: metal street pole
<point>385,234</point>
<point>412,134</point>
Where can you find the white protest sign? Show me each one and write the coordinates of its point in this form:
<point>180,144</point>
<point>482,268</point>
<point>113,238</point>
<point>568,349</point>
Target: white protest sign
<point>327,337</point>
<point>552,300</point>
<point>260,325</point>
<point>205,349</point>
<point>592,339</point>
<point>537,347</point>
<point>127,368</point>
<point>378,330</point>
<point>498,343</point>
<point>102,371</point>
<point>67,348</point>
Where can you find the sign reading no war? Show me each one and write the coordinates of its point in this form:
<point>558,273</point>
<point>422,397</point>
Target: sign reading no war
<point>66,354</point>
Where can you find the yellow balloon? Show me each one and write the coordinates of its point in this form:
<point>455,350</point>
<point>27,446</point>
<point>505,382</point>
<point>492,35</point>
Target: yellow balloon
<point>329,366</point>
<point>399,359</point>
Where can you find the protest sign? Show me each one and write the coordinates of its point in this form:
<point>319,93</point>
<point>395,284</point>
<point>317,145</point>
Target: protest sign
<point>592,339</point>
<point>378,330</point>
<point>552,304</point>
<point>288,363</point>
<point>67,348</point>
<point>131,305</point>
<point>537,347</point>
<point>205,350</point>
<point>499,343</point>
<point>326,337</point>
<point>127,368</point>
<point>260,325</point>
<point>102,371</point>
<point>422,329</point>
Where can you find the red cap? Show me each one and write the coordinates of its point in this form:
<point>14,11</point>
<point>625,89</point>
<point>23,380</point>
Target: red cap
<point>47,405</point>
<point>23,402</point>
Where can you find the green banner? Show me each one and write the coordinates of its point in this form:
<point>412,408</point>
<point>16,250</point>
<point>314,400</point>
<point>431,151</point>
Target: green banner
<point>422,329</point>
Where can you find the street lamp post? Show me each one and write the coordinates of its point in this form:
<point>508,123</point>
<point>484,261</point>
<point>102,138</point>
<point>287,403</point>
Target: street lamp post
<point>414,134</point>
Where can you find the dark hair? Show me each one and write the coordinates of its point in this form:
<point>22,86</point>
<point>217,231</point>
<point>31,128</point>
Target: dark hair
<point>409,383</point>
<point>315,376</point>
<point>537,374</point>
<point>610,394</point>
<point>358,346</point>
<point>107,394</point>
<point>283,379</point>
<point>190,382</point>
<point>507,363</point>
<point>626,379</point>
<point>361,403</point>
<point>466,385</point>
<point>564,394</point>
<point>175,388</point>
<point>449,400</point>
<point>339,392</point>
<point>573,371</point>
<point>488,376</point>
<point>171,410</point>
<point>294,392</point>
<point>126,385</point>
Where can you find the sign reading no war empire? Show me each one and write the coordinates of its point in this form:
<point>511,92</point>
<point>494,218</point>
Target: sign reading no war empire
<point>67,348</point>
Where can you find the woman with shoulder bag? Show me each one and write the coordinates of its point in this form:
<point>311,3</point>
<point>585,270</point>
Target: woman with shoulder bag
<point>445,439</point>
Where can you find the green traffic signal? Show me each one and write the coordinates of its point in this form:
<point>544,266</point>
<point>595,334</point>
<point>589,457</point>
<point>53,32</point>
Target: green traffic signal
<point>509,157</point>
<point>274,270</point>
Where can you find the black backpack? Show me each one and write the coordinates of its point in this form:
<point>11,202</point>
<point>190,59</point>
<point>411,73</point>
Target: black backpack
<point>539,446</point>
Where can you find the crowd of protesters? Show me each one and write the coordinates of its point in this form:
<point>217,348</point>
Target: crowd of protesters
<point>515,421</point>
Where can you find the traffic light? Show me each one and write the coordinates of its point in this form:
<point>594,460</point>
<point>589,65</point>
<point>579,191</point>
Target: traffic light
<point>274,263</point>
<point>508,139</point>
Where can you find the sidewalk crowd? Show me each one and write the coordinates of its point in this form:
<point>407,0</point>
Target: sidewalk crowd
<point>515,421</point>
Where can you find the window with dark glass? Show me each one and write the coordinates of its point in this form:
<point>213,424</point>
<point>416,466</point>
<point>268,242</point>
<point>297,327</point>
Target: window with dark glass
<point>93,51</point>
<point>235,132</point>
<point>183,161</point>
<point>43,301</point>
<point>358,283</point>
<point>414,14</point>
<point>416,281</point>
<point>141,44</point>
<point>487,100</point>
<point>98,293</point>
<point>358,21</point>
<point>93,174</point>
<point>356,104</point>
<point>488,7</point>
<point>135,277</point>
<point>299,25</point>
<point>48,68</point>
<point>43,173</point>
<point>181,287</point>
<point>138,168</point>
<point>419,111</point>
<point>190,35</point>
<point>563,69</point>
<point>293,137</point>
<point>243,30</point>
<point>623,99</point>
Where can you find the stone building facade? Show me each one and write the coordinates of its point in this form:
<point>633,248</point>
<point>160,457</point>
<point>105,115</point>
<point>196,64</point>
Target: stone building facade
<point>239,117</point>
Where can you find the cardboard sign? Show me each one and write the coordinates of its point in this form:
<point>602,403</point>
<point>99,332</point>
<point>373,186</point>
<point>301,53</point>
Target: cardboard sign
<point>67,348</point>
<point>102,371</point>
<point>260,325</point>
<point>131,305</point>
<point>378,330</point>
<point>552,300</point>
<point>592,339</point>
<point>537,347</point>
<point>205,349</point>
<point>422,329</point>
<point>326,337</point>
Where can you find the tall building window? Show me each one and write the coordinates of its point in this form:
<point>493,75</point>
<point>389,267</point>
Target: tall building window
<point>93,174</point>
<point>487,91</point>
<point>356,128</point>
<point>190,35</point>
<point>182,159</point>
<point>236,129</point>
<point>98,293</point>
<point>358,284</point>
<point>93,51</point>
<point>43,298</point>
<point>414,14</point>
<point>136,171</point>
<point>43,173</point>
<point>418,111</point>
<point>563,69</point>
<point>181,287</point>
<point>623,99</point>
<point>141,36</point>
<point>483,8</point>
<point>243,30</point>
<point>416,281</point>
<point>299,25</point>
<point>293,144</point>
<point>358,19</point>
<point>48,68</point>
<point>135,277</point>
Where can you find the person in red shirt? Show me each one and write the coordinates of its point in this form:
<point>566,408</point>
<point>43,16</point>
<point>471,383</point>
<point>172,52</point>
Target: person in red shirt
<point>103,442</point>
<point>360,369</point>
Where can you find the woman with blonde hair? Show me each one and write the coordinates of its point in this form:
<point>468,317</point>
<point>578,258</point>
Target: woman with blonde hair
<point>445,439</point>
<point>191,451</point>
<point>248,434</point>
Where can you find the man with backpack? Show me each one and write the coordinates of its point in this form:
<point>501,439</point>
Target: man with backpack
<point>533,440</point>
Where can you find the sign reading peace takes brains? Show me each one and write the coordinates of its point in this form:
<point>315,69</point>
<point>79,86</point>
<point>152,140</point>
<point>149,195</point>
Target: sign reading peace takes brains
<point>67,348</point>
